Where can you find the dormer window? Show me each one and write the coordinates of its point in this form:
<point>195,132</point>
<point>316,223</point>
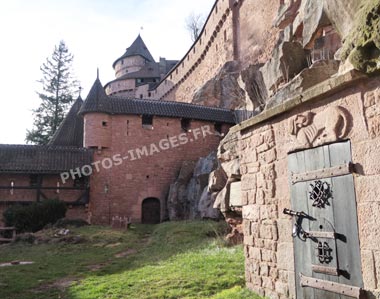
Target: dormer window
<point>79,182</point>
<point>218,128</point>
<point>186,124</point>
<point>33,180</point>
<point>147,122</point>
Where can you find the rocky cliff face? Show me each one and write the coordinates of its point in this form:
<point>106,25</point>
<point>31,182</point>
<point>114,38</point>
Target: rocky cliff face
<point>189,196</point>
<point>316,40</point>
<point>202,190</point>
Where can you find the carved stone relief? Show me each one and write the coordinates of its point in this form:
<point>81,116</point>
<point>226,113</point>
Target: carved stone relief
<point>313,129</point>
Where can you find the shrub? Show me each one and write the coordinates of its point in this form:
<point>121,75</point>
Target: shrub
<point>35,216</point>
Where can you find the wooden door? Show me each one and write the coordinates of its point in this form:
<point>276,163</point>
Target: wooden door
<point>326,243</point>
<point>151,211</point>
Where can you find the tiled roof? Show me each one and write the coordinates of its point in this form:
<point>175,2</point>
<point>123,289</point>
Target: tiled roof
<point>70,131</point>
<point>138,48</point>
<point>149,70</point>
<point>42,158</point>
<point>98,101</point>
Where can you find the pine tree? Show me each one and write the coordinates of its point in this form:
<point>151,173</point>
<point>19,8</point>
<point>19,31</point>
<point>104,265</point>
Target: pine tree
<point>58,87</point>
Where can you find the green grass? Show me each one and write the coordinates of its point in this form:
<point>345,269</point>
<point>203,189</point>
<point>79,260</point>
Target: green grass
<point>170,260</point>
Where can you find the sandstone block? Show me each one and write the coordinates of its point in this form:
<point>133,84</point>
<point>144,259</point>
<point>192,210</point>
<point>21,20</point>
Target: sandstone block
<point>376,254</point>
<point>248,182</point>
<point>248,240</point>
<point>268,256</point>
<point>282,288</point>
<point>367,188</point>
<point>368,269</point>
<point>369,229</point>
<point>260,197</point>
<point>285,256</point>
<point>256,281</point>
<point>268,283</point>
<point>255,253</point>
<point>264,270</point>
<point>251,212</point>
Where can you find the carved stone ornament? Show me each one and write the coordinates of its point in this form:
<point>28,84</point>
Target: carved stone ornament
<point>313,129</point>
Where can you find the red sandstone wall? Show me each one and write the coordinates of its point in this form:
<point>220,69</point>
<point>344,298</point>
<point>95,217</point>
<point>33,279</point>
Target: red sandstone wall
<point>208,54</point>
<point>256,35</point>
<point>236,30</point>
<point>97,129</point>
<point>120,190</point>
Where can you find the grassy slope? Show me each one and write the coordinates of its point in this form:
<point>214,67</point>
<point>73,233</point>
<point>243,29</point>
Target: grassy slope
<point>170,260</point>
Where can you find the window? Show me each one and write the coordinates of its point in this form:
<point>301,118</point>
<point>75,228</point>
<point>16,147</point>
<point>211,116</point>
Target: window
<point>147,122</point>
<point>149,94</point>
<point>141,96</point>
<point>122,61</point>
<point>33,180</point>
<point>104,124</point>
<point>218,128</point>
<point>225,35</point>
<point>186,124</point>
<point>79,182</point>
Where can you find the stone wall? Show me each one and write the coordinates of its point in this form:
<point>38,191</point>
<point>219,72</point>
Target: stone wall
<point>263,144</point>
<point>199,63</point>
<point>149,170</point>
<point>238,31</point>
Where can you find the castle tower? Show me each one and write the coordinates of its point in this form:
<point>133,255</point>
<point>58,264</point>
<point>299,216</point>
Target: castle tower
<point>137,72</point>
<point>135,57</point>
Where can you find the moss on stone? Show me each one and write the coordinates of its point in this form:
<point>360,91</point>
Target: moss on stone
<point>362,45</point>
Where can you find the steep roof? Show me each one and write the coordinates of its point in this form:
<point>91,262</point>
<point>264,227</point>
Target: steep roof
<point>42,158</point>
<point>138,48</point>
<point>98,101</point>
<point>70,131</point>
<point>149,70</point>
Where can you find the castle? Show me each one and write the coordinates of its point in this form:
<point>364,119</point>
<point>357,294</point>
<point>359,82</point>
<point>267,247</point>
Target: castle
<point>115,156</point>
<point>288,93</point>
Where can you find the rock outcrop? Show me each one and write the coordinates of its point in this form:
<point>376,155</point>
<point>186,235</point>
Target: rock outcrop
<point>189,197</point>
<point>220,182</point>
<point>223,90</point>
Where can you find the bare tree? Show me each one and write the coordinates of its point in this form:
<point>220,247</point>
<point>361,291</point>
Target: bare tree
<point>194,24</point>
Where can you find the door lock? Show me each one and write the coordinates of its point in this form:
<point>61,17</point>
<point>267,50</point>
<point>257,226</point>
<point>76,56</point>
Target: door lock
<point>298,231</point>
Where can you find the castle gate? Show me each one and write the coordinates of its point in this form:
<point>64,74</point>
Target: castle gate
<point>151,211</point>
<point>326,243</point>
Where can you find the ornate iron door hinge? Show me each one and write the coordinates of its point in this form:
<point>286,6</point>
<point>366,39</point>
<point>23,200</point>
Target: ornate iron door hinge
<point>322,173</point>
<point>338,288</point>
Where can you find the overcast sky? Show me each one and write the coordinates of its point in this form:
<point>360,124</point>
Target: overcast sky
<point>97,32</point>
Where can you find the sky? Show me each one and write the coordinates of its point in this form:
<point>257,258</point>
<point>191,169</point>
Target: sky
<point>97,32</point>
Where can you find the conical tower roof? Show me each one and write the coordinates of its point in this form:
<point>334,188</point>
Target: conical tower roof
<point>97,99</point>
<point>70,131</point>
<point>138,48</point>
